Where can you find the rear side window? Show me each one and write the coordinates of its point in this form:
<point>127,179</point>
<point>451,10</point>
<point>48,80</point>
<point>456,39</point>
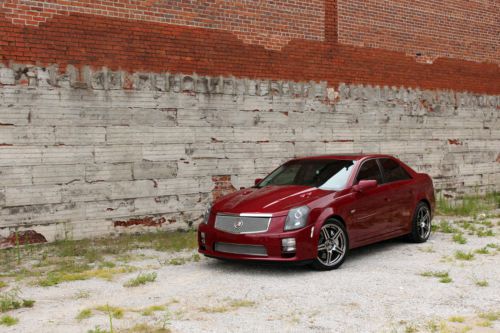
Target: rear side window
<point>393,171</point>
<point>369,171</point>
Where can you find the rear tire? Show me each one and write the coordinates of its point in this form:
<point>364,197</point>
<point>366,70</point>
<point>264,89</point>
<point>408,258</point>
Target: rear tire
<point>333,246</point>
<point>421,225</point>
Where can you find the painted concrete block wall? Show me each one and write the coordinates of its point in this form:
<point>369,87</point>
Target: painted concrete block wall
<point>93,152</point>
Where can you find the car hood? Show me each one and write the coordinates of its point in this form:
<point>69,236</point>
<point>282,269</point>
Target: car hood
<point>276,200</point>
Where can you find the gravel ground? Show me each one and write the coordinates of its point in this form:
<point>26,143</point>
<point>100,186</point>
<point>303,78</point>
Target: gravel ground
<point>378,289</point>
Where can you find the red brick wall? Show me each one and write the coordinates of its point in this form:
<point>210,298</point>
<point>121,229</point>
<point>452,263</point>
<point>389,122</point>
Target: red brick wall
<point>243,40</point>
<point>268,23</point>
<point>462,29</point>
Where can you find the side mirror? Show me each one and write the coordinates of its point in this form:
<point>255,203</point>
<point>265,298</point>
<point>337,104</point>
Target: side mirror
<point>364,185</point>
<point>257,181</point>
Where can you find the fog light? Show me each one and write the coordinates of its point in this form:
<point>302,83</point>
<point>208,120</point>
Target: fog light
<point>288,245</point>
<point>202,238</point>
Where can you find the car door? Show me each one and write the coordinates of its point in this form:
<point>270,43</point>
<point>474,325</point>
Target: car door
<point>369,209</point>
<point>398,194</point>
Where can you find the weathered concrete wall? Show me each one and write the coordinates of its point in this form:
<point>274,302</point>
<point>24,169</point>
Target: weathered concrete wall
<point>87,153</point>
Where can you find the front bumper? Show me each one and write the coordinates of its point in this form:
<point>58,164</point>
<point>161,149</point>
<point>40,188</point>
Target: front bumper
<point>270,240</point>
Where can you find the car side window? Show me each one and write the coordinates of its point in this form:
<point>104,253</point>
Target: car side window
<point>393,171</point>
<point>369,171</point>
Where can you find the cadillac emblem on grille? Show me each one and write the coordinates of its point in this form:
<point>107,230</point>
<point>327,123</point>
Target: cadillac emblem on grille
<point>238,224</point>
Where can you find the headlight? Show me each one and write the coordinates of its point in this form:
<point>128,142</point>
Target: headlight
<point>297,218</point>
<point>206,214</point>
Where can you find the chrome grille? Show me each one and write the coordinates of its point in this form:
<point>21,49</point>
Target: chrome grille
<point>252,250</point>
<point>243,224</point>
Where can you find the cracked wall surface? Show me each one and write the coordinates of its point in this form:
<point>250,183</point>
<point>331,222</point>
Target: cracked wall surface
<point>90,152</point>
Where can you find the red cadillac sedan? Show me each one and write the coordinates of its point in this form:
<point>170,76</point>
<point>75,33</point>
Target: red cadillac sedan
<point>313,210</point>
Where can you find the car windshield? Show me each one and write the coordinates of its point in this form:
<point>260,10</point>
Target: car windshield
<point>327,174</point>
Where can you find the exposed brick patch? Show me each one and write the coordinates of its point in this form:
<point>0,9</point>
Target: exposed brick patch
<point>223,186</point>
<point>162,47</point>
<point>271,24</point>
<point>145,221</point>
<point>23,238</point>
<point>455,142</point>
<point>430,29</point>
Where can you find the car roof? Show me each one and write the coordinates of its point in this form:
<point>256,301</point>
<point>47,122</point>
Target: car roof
<point>343,157</point>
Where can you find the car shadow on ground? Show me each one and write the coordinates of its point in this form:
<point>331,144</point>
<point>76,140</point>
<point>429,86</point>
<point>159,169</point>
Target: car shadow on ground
<point>369,252</point>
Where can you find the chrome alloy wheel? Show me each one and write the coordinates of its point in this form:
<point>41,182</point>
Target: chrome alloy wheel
<point>332,245</point>
<point>423,222</point>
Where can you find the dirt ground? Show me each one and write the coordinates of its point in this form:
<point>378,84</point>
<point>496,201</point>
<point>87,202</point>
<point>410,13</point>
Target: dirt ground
<point>393,286</point>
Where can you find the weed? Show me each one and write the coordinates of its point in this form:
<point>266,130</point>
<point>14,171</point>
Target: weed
<point>56,277</point>
<point>97,329</point>
<point>427,249</point>
<point>482,283</point>
<point>493,246</point>
<point>446,227</point>
<point>438,274</point>
<point>114,311</point>
<point>485,323</point>
<point>150,310</point>
<point>483,250</point>
<point>459,238</point>
<point>10,301</point>
<point>446,279</point>
<point>411,328</point>
<point>81,294</point>
<point>230,306</point>
<point>8,320</point>
<point>485,233</point>
<point>145,328</point>
<point>84,314</point>
<point>2,284</point>
<point>469,205</point>
<point>196,257</point>
<point>467,256</point>
<point>177,261</point>
<point>457,319</point>
<point>141,279</point>
<point>492,316</point>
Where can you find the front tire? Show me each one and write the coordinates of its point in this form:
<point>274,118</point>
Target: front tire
<point>421,226</point>
<point>333,246</point>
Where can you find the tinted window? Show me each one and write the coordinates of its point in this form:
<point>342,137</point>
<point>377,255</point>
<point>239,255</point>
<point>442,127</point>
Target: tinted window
<point>393,171</point>
<point>327,174</point>
<point>370,171</point>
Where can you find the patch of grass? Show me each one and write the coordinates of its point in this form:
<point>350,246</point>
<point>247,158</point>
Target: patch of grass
<point>469,205</point>
<point>483,250</point>
<point>492,315</point>
<point>457,319</point>
<point>97,329</point>
<point>443,276</point>
<point>7,320</point>
<point>446,279</point>
<point>81,294</point>
<point>84,314</point>
<point>150,310</point>
<point>459,238</point>
<point>427,249</point>
<point>11,301</point>
<point>485,233</point>
<point>181,261</point>
<point>467,256</point>
<point>485,323</point>
<point>141,279</point>
<point>231,305</point>
<point>438,274</point>
<point>411,328</point>
<point>493,246</point>
<point>57,277</point>
<point>3,284</point>
<point>446,227</point>
<point>145,328</point>
<point>113,311</point>
<point>482,283</point>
